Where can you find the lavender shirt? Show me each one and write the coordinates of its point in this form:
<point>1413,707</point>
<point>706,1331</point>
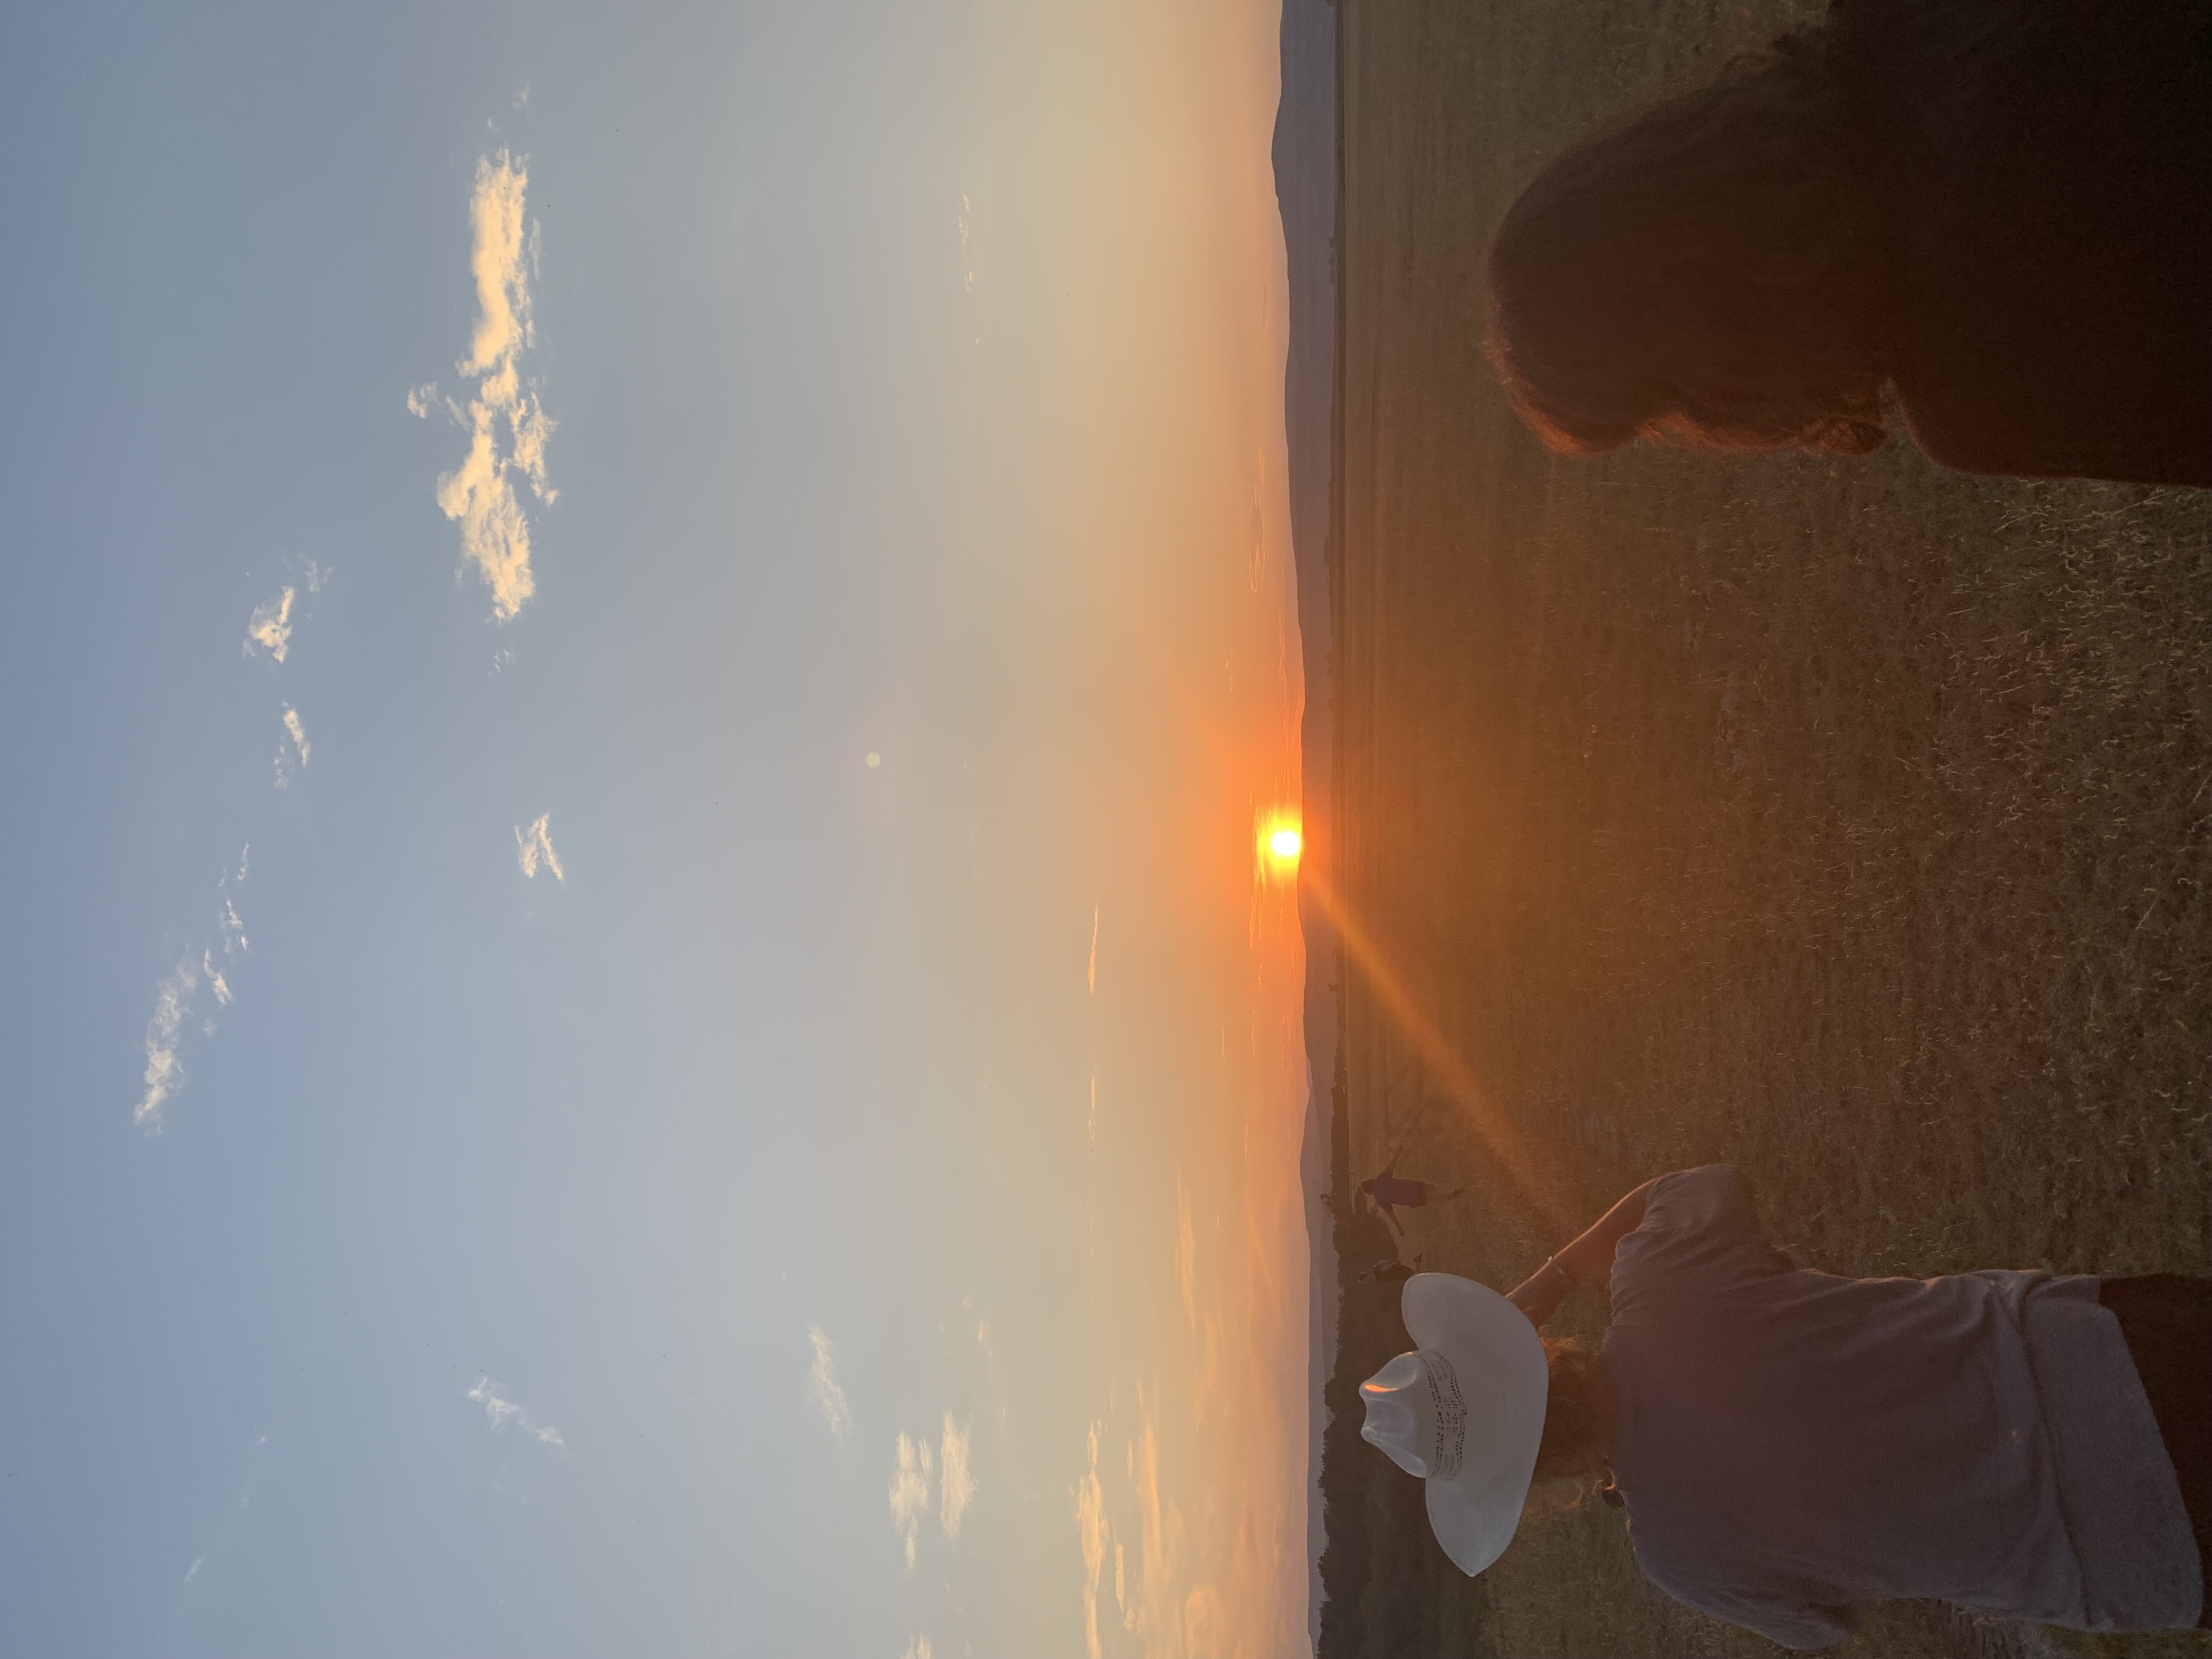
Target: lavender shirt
<point>1791,1443</point>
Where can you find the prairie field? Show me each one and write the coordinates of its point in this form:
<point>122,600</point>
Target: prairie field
<point>1849,821</point>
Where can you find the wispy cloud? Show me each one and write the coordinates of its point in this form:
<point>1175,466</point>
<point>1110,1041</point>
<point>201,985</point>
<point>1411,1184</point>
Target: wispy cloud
<point>234,1512</point>
<point>534,847</point>
<point>164,1075</point>
<point>956,1481</point>
<point>270,627</point>
<point>507,424</point>
<point>822,1385</point>
<point>232,929</point>
<point>1089,1503</point>
<point>919,1649</point>
<point>932,1479</point>
<point>928,1479</point>
<point>172,1003</point>
<point>1158,1604</point>
<point>912,1476</point>
<point>502,1411</point>
<point>290,760</point>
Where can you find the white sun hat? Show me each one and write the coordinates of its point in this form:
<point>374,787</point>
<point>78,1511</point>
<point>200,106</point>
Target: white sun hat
<point>1464,1410</point>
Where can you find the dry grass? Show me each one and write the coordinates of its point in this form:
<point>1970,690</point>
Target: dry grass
<point>1848,821</point>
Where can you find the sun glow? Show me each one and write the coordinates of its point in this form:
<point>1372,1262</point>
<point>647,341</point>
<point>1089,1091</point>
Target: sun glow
<point>1284,844</point>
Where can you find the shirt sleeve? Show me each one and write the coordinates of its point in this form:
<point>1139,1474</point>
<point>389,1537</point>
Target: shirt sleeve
<point>1700,1233</point>
<point>1800,1627</point>
<point>1795,1622</point>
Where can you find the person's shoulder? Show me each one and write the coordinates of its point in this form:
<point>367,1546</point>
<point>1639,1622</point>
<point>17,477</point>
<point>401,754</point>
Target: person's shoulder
<point>1708,1183</point>
<point>1700,1233</point>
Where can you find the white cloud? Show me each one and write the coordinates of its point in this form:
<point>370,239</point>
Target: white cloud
<point>501,1412</point>
<point>956,1481</point>
<point>217,983</point>
<point>822,1387</point>
<point>912,1477</point>
<point>270,627</point>
<point>288,760</point>
<point>919,1649</point>
<point>927,1479</point>
<point>422,399</point>
<point>534,847</point>
<point>508,426</point>
<point>172,1000</point>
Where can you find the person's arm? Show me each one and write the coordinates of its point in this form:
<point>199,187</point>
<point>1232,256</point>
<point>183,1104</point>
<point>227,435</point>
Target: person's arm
<point>1585,1261</point>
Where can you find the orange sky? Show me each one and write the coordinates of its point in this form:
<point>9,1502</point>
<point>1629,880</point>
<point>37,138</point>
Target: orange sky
<point>1170,305</point>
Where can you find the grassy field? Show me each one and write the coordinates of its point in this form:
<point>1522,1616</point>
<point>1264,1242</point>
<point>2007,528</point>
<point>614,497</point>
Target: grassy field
<point>1848,821</point>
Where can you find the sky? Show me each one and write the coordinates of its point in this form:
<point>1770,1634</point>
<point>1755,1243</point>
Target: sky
<point>649,650</point>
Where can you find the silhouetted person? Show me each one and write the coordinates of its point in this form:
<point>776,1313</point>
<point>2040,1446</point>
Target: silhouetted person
<point>1392,1191</point>
<point>1390,1270</point>
<point>2001,210</point>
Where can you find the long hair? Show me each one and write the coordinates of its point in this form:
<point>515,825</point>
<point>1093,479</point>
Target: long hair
<point>1577,1443</point>
<point>1709,276</point>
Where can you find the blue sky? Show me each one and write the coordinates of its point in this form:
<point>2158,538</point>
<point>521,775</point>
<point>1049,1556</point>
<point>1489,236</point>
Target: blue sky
<point>516,1136</point>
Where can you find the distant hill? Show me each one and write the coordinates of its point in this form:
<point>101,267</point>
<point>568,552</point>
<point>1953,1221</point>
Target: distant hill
<point>1305,153</point>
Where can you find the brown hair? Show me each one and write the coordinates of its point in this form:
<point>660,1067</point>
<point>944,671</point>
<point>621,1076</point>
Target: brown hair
<point>1708,276</point>
<point>1577,1443</point>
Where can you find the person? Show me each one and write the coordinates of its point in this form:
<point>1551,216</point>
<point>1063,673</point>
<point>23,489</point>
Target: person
<point>1391,1271</point>
<point>1391,1192</point>
<point>1789,1445</point>
<point>1999,210</point>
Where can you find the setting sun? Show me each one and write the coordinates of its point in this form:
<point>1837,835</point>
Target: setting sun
<point>1285,844</point>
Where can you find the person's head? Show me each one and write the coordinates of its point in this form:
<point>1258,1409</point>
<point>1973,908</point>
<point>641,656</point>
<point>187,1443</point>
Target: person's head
<point>1708,276</point>
<point>1578,1424</point>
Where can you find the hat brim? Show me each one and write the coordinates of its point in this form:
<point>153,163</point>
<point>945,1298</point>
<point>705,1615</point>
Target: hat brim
<point>1502,1369</point>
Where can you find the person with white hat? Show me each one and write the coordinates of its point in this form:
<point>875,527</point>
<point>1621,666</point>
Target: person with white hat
<point>1789,1445</point>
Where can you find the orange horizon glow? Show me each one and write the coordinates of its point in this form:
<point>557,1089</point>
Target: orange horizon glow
<point>1190,1478</point>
